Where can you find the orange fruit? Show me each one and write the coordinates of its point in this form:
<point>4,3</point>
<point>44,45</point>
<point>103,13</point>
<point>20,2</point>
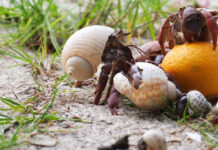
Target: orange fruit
<point>194,66</point>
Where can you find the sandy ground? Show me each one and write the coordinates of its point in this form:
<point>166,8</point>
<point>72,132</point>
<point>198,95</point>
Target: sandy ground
<point>103,128</point>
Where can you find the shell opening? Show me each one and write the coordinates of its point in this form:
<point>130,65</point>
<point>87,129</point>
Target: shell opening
<point>172,92</point>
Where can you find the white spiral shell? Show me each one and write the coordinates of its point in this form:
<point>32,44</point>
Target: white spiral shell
<point>82,52</point>
<point>198,104</point>
<point>153,93</point>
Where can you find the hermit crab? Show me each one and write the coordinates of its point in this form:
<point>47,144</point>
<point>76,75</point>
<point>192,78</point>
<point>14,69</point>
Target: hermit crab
<point>192,57</point>
<point>196,103</point>
<point>193,24</point>
<point>117,57</point>
<point>145,84</point>
<point>86,48</point>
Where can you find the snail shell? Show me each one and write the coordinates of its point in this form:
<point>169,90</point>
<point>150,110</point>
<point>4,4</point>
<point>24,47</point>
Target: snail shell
<point>198,104</point>
<point>153,93</point>
<point>154,140</point>
<point>82,52</point>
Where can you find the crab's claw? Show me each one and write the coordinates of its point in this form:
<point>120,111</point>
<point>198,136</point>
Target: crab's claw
<point>212,26</point>
<point>134,76</point>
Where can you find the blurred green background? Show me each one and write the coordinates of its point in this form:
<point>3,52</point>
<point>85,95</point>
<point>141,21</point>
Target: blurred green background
<point>47,24</point>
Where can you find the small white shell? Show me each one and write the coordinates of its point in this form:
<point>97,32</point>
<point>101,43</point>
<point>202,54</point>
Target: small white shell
<point>152,94</point>
<point>155,140</point>
<point>82,52</point>
<point>198,104</point>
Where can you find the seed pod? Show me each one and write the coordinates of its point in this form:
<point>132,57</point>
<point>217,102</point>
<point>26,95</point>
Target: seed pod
<point>82,52</point>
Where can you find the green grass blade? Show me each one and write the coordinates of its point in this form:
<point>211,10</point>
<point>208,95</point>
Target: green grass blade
<point>148,19</point>
<point>14,56</point>
<point>31,34</point>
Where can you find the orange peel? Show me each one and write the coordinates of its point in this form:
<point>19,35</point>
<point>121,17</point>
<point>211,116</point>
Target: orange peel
<point>194,66</point>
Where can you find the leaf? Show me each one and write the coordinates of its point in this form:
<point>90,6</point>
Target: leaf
<point>51,117</point>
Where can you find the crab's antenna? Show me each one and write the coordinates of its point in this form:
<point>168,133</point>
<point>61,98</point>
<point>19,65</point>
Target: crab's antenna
<point>115,20</point>
<point>125,34</point>
<point>154,12</point>
<point>145,24</point>
<point>141,52</point>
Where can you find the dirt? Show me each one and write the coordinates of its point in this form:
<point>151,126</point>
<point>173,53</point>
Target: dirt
<point>102,128</point>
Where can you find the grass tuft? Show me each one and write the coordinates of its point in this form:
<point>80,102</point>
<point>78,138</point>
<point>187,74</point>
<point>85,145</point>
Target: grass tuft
<point>28,118</point>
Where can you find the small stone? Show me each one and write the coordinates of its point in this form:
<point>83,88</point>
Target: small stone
<point>155,140</point>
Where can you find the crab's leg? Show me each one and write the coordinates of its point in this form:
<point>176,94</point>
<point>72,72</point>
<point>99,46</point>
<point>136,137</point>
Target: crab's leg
<point>166,34</point>
<point>162,37</point>
<point>117,65</point>
<point>114,71</point>
<point>113,100</point>
<point>211,25</point>
<point>105,71</point>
